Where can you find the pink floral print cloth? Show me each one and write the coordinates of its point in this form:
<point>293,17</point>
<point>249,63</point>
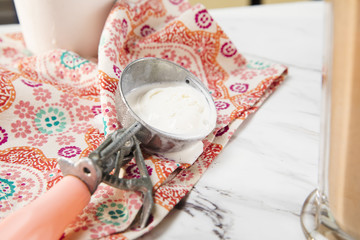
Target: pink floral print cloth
<point>49,102</point>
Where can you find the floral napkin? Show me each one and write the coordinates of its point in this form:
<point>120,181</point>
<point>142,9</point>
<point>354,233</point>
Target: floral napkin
<point>50,105</point>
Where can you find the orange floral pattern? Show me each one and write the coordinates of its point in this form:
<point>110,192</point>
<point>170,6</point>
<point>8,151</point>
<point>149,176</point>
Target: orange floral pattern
<point>49,103</point>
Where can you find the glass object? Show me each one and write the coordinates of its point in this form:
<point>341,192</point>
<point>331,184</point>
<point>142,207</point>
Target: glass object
<point>332,211</point>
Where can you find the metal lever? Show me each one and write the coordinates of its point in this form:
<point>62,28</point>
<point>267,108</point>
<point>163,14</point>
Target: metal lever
<point>142,184</point>
<point>117,150</point>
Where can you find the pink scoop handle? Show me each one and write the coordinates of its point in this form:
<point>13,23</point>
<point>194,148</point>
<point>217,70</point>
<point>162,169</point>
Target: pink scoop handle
<point>47,216</point>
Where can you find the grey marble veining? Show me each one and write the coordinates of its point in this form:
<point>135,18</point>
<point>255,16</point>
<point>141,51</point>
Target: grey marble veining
<point>256,187</point>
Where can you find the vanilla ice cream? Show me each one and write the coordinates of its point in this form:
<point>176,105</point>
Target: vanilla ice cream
<point>175,108</point>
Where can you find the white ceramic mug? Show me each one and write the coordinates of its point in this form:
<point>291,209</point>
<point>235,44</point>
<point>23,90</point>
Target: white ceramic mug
<point>74,25</point>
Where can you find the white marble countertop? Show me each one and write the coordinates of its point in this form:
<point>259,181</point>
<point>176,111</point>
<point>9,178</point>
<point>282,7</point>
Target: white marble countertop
<point>256,187</point>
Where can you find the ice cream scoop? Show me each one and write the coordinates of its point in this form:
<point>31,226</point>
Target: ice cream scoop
<point>54,210</point>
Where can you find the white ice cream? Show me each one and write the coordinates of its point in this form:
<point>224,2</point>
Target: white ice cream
<point>175,108</point>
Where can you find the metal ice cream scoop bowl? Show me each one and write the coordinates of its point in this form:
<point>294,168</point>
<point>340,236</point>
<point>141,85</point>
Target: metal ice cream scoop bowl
<point>156,71</point>
<point>119,147</point>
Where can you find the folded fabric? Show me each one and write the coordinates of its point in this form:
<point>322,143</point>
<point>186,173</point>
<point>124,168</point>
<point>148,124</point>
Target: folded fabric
<point>50,103</point>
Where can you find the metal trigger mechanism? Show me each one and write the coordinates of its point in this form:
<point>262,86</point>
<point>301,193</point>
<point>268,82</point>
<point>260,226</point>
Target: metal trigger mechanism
<point>105,162</point>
